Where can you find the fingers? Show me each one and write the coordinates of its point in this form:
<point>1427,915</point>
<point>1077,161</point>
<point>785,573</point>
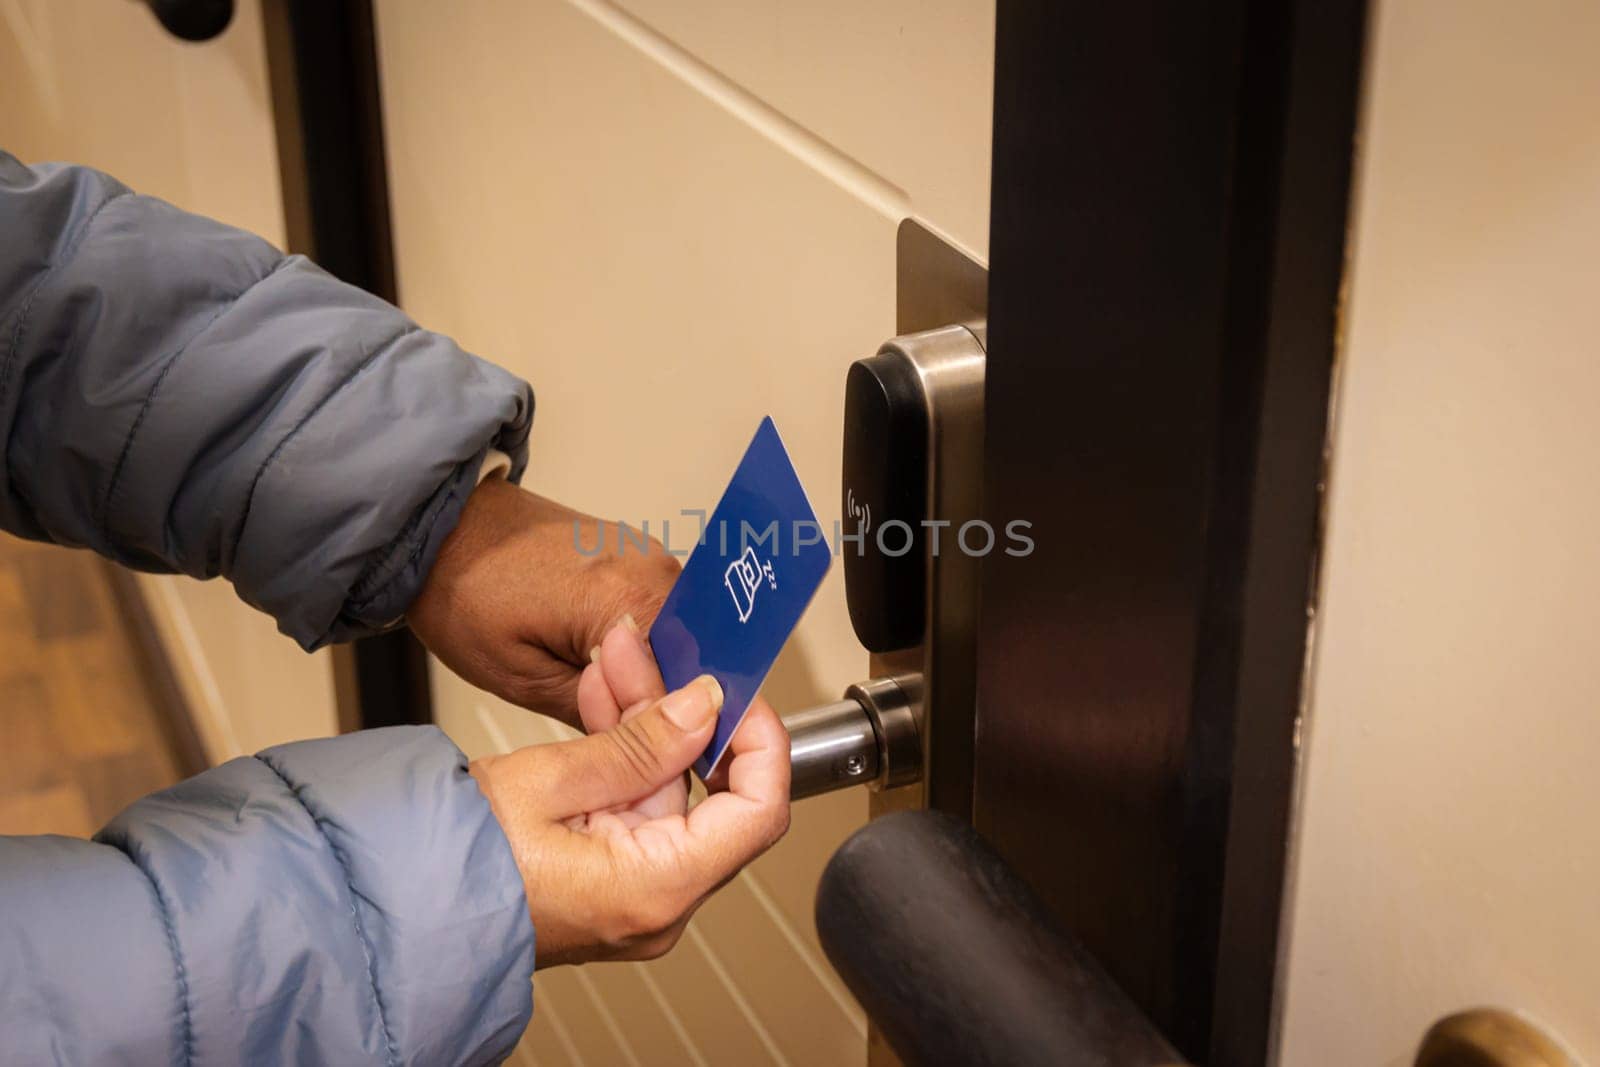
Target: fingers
<point>628,674</point>
<point>758,757</point>
<point>674,863</point>
<point>619,884</point>
<point>622,680</point>
<point>729,829</point>
<point>630,666</point>
<point>637,756</point>
<point>759,719</point>
<point>597,705</point>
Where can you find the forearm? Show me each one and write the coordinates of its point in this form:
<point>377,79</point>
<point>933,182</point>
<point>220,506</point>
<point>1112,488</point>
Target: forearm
<point>178,395</point>
<point>345,901</point>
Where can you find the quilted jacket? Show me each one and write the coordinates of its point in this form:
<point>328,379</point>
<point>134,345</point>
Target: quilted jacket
<point>180,396</point>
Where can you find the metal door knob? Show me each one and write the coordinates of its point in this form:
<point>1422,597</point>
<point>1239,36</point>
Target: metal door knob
<point>1489,1037</point>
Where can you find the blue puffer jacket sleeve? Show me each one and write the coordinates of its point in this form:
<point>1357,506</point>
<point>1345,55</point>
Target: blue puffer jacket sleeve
<point>345,901</point>
<point>180,396</point>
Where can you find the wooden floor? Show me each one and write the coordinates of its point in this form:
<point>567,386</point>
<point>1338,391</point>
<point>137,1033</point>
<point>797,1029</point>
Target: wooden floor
<point>79,735</point>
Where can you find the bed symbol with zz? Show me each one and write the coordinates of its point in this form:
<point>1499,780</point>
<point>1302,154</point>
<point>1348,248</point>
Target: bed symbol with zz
<point>743,579</point>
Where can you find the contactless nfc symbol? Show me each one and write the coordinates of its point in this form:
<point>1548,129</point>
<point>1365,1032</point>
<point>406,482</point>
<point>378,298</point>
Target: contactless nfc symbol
<point>859,512</point>
<point>743,578</point>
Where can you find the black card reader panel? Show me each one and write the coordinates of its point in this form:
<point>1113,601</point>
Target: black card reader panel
<point>885,500</point>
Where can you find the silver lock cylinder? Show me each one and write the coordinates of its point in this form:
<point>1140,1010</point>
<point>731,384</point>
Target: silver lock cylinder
<point>891,704</point>
<point>831,746</point>
<point>868,738</point>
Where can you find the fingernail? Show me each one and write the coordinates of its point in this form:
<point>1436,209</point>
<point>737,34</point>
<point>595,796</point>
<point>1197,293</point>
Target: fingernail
<point>630,624</point>
<point>594,654</point>
<point>713,687</point>
<point>695,705</point>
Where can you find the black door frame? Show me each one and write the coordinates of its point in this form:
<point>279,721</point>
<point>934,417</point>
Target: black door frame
<point>1170,189</point>
<point>322,68</point>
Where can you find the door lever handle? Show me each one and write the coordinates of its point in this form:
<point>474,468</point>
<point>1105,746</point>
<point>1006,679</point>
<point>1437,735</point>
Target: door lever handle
<point>956,960</point>
<point>193,20</point>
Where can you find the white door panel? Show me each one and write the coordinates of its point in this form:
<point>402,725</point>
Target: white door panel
<point>673,221</point>
<point>903,88</point>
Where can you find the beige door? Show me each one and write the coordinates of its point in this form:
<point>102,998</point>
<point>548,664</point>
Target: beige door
<point>674,217</point>
<point>1447,854</point>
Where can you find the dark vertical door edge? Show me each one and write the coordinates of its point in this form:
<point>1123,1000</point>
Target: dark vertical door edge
<point>322,67</point>
<point>1270,613</point>
<point>1170,188</point>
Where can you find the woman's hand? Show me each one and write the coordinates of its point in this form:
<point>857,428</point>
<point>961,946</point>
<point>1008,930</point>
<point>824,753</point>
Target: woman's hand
<point>622,681</point>
<point>514,607</point>
<point>613,869</point>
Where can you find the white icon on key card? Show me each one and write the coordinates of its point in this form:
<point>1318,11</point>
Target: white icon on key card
<point>743,578</point>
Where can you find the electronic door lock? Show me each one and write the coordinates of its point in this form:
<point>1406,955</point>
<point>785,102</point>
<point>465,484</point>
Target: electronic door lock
<point>912,480</point>
<point>912,444</point>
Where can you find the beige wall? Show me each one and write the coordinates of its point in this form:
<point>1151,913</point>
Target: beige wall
<point>99,82</point>
<point>675,216</point>
<point>1449,854</point>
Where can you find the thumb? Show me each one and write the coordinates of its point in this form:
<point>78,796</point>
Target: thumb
<point>638,756</point>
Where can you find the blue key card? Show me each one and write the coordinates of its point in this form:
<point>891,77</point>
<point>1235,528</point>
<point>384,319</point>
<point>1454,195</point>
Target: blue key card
<point>760,558</point>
